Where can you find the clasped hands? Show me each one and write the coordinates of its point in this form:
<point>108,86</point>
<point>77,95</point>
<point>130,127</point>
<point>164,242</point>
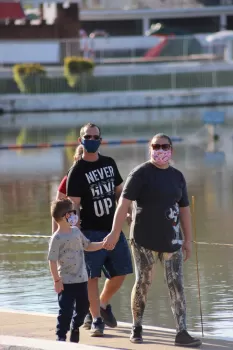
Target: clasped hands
<point>110,241</point>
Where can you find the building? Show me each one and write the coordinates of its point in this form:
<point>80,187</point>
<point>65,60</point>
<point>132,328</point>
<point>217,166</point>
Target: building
<point>134,17</point>
<point>65,24</point>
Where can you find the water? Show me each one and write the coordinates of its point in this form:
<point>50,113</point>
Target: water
<point>28,182</point>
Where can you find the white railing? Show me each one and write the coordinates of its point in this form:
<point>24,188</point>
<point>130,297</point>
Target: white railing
<point>135,49</point>
<point>113,50</point>
<point>184,76</point>
<point>185,63</point>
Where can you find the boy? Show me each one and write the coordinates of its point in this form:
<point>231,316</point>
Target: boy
<point>68,269</point>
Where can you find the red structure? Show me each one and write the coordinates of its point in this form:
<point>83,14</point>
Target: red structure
<point>11,10</point>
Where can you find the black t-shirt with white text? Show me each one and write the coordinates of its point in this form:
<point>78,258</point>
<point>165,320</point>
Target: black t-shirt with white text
<point>94,183</point>
<point>157,194</point>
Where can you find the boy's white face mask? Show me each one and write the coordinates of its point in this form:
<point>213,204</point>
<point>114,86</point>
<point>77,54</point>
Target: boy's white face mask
<point>72,219</point>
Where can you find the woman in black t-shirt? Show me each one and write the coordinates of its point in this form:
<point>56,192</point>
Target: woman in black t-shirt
<point>160,206</point>
<point>61,191</point>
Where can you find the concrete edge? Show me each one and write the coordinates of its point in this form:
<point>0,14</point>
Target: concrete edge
<point>124,324</point>
<point>41,344</point>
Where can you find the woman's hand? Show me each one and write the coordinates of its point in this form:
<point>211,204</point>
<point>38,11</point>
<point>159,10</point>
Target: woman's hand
<point>187,250</point>
<point>58,286</point>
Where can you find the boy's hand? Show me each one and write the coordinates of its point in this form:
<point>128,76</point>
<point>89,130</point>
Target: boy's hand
<point>103,243</point>
<point>104,247</point>
<point>110,241</point>
<point>58,286</point>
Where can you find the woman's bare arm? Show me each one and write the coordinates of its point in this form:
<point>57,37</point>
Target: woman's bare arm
<point>59,195</point>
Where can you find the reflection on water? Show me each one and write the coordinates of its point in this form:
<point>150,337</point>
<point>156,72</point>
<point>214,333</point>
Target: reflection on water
<point>28,182</point>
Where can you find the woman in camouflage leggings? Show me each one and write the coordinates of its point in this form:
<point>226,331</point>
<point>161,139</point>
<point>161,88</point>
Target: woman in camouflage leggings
<point>161,223</point>
<point>145,261</point>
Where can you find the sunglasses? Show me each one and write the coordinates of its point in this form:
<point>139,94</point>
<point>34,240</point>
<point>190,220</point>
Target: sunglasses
<point>157,147</point>
<point>89,137</point>
<point>70,211</point>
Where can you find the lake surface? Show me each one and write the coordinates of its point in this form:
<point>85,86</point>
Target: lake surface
<point>28,182</point>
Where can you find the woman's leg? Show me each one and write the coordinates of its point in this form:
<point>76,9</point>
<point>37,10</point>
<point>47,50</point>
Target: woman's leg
<point>174,278</point>
<point>144,264</point>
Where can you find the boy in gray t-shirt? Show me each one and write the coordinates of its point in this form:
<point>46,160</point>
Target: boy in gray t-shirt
<point>68,269</point>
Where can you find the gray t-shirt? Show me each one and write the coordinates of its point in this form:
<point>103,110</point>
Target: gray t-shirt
<point>158,194</point>
<point>68,250</point>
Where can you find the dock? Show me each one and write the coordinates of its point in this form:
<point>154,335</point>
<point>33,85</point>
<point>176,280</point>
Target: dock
<point>25,331</point>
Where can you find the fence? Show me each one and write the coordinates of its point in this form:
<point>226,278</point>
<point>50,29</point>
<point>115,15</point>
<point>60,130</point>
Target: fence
<point>136,4</point>
<point>120,142</point>
<point>112,49</point>
<point>91,84</point>
<point>159,4</point>
<point>128,49</point>
<point>179,63</point>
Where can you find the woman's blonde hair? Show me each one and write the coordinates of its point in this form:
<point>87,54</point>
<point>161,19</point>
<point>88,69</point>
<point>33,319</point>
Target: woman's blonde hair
<point>78,153</point>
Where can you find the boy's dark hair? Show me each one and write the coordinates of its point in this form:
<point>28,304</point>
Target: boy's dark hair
<point>88,125</point>
<point>60,207</point>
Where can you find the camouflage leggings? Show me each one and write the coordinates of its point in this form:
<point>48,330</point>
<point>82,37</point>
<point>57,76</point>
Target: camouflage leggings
<point>144,261</point>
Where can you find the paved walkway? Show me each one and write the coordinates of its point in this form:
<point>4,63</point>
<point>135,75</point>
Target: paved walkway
<point>37,332</point>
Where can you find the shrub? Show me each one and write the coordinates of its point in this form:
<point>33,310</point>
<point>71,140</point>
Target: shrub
<point>74,67</point>
<point>25,74</point>
<point>72,136</point>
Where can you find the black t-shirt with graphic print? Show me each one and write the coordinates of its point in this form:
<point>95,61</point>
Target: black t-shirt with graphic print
<point>158,195</point>
<point>94,183</point>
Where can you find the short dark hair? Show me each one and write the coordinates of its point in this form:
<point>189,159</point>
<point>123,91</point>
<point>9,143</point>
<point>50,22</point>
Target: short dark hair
<point>89,125</point>
<point>162,136</point>
<point>60,207</point>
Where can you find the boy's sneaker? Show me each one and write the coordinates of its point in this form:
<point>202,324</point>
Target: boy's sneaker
<point>184,339</point>
<point>108,317</point>
<point>97,328</point>
<point>61,339</point>
<point>87,321</point>
<point>136,334</point>
<point>74,336</point>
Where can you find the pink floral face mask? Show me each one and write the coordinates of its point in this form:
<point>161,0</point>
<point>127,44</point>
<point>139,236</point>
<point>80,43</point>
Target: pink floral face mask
<point>161,157</point>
